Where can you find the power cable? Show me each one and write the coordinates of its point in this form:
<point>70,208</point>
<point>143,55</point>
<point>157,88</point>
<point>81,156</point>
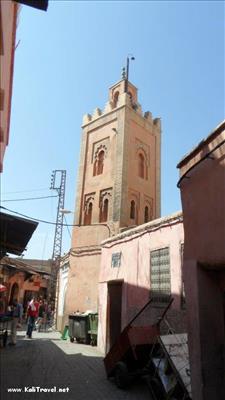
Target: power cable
<point>53,223</point>
<point>27,191</point>
<point>28,198</point>
<point>67,227</point>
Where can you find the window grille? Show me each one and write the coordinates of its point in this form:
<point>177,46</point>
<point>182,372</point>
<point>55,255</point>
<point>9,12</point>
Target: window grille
<point>160,274</point>
<point>116,260</point>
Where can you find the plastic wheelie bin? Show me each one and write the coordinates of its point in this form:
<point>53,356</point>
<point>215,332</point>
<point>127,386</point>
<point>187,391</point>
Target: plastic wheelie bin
<point>78,328</point>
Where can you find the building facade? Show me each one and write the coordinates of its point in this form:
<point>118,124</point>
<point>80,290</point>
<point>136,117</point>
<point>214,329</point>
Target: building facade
<point>118,185</point>
<point>8,24</point>
<point>23,279</point>
<point>61,291</point>
<point>202,185</point>
<point>139,264</point>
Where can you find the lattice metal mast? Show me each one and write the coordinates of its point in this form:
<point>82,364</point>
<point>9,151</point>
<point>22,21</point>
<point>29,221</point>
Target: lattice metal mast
<point>59,219</point>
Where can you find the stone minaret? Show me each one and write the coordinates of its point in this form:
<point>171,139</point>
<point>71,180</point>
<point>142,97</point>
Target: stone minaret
<point>119,174</point>
<point>118,185</point>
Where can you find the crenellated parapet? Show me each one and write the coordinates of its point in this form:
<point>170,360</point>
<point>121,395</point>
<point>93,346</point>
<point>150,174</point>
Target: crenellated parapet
<point>117,99</point>
<point>86,119</point>
<point>157,123</point>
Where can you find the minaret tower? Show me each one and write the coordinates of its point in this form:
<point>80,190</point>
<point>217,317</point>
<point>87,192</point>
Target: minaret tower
<point>118,185</point>
<point>119,174</point>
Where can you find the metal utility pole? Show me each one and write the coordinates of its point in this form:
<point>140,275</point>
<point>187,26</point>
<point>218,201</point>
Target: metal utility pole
<point>129,57</point>
<point>58,183</point>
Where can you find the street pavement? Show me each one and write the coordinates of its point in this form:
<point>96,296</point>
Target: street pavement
<point>48,362</point>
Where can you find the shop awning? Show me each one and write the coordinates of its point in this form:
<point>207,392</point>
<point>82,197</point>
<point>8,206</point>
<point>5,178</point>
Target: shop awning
<point>40,4</point>
<point>15,233</point>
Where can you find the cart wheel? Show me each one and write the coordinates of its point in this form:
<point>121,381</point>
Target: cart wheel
<point>156,389</point>
<point>72,339</point>
<point>5,338</point>
<point>122,377</point>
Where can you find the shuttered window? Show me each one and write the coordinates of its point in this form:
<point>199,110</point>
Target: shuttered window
<point>160,274</point>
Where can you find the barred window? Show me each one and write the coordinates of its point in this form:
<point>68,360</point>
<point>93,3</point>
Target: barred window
<point>160,274</point>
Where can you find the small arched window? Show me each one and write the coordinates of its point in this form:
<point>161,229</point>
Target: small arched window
<point>101,157</point>
<point>132,209</point>
<point>141,166</point>
<point>130,95</point>
<point>115,99</point>
<point>99,163</point>
<point>146,216</point>
<point>95,168</point>
<point>104,211</point>
<point>88,214</point>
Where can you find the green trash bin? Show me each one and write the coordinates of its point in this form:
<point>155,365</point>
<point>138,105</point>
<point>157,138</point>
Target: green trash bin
<point>93,325</point>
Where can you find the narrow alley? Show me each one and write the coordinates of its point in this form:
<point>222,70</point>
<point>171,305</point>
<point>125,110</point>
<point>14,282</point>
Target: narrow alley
<point>48,362</point>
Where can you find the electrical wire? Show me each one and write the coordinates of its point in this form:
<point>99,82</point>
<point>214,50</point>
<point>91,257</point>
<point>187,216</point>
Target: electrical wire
<point>67,227</point>
<point>53,223</point>
<point>28,191</point>
<point>29,198</point>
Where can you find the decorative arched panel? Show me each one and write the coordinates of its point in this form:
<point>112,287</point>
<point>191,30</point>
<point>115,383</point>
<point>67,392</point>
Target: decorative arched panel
<point>88,209</point>
<point>105,204</point>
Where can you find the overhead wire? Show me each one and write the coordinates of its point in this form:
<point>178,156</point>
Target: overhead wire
<point>52,223</point>
<point>27,191</point>
<point>67,227</point>
<point>28,198</point>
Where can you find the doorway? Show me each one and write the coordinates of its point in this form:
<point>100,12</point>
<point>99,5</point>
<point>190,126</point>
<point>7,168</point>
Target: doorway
<point>115,289</point>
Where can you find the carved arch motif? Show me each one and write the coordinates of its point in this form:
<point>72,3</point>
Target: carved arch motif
<point>133,207</point>
<point>88,208</point>
<point>104,204</point>
<point>99,157</point>
<point>101,147</point>
<point>142,163</point>
<point>148,209</point>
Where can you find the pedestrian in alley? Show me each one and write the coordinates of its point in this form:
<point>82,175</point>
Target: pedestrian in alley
<point>32,314</point>
<point>16,312</point>
<point>41,312</point>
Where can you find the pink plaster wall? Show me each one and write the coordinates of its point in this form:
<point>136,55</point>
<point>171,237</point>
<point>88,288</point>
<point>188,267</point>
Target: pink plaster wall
<point>82,286</point>
<point>8,28</point>
<point>135,269</point>
<point>203,200</point>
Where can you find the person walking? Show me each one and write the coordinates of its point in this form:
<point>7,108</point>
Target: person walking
<point>40,318</point>
<point>16,314</point>
<point>32,313</point>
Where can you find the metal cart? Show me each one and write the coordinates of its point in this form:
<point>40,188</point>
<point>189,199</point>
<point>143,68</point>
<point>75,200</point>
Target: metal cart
<point>170,370</point>
<point>129,356</point>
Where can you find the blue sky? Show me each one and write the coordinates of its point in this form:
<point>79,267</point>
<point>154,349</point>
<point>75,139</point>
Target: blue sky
<point>66,60</point>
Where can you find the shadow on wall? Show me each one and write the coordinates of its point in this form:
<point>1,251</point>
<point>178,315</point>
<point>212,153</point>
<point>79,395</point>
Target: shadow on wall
<point>125,301</point>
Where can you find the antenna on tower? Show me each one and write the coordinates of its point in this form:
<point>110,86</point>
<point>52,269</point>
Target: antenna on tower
<point>58,183</point>
<point>129,57</point>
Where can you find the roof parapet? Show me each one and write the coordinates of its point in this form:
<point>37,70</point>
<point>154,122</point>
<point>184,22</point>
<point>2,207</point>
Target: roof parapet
<point>123,100</point>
